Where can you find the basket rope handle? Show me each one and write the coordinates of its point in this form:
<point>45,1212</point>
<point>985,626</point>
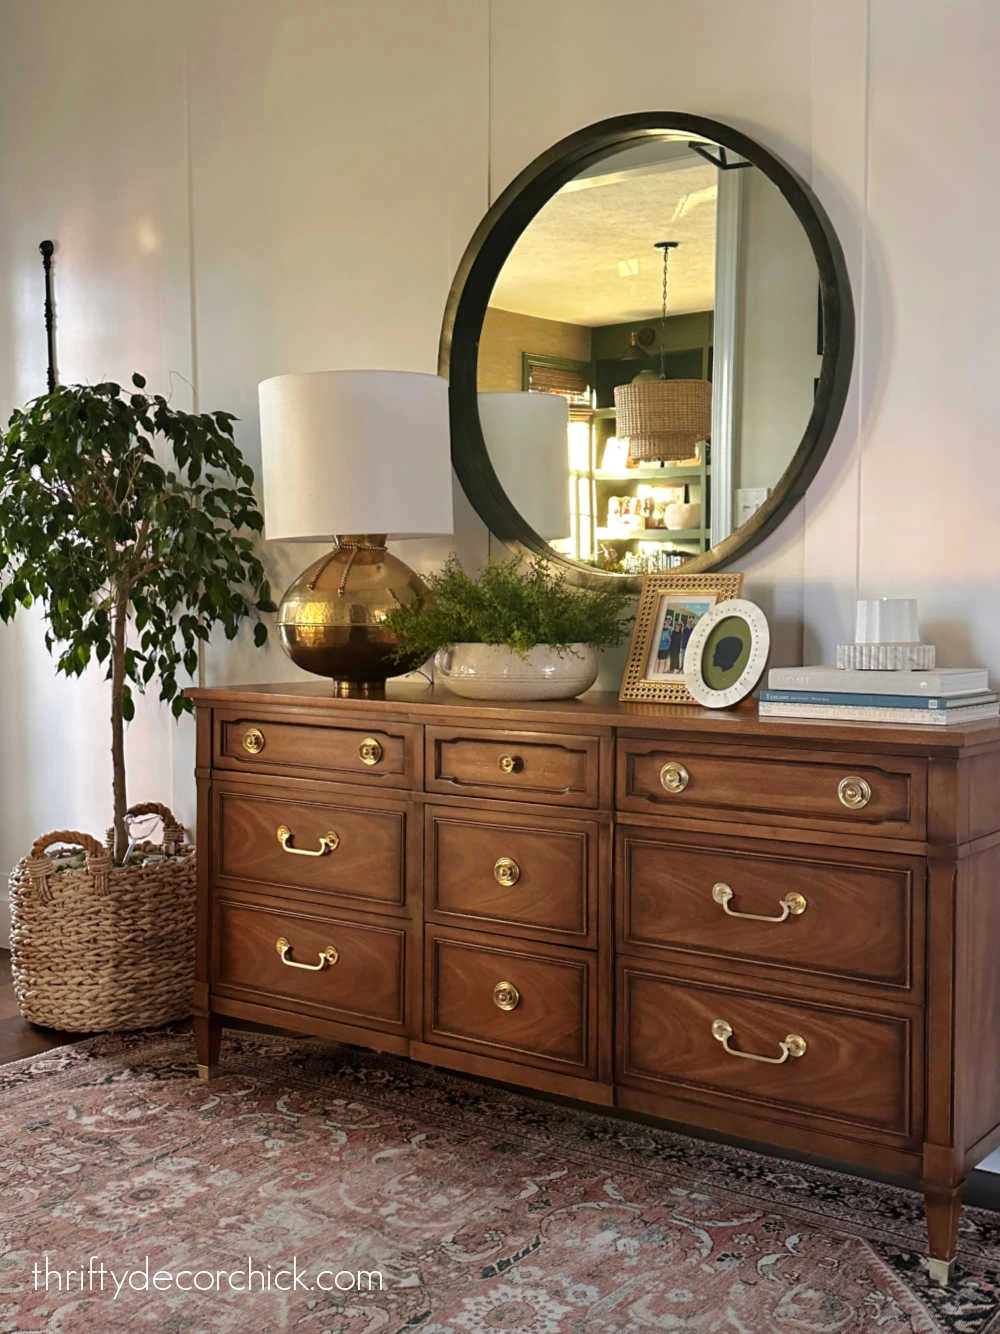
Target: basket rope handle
<point>173,830</point>
<point>71,838</point>
<point>40,867</point>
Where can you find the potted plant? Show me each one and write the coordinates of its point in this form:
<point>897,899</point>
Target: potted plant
<point>515,631</point>
<point>135,553</point>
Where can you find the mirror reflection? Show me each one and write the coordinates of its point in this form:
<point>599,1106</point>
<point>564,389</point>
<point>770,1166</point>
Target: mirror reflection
<point>676,274</point>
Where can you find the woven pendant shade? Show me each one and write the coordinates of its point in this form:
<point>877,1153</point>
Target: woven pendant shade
<point>663,420</point>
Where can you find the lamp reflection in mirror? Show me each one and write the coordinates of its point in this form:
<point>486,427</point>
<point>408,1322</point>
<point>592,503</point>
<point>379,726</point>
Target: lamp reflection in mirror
<point>526,435</point>
<point>357,458</point>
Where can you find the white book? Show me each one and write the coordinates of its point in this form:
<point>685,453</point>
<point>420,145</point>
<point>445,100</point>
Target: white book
<point>939,681</point>
<point>850,714</point>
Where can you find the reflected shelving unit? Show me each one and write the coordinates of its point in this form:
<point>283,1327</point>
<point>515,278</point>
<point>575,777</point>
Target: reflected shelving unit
<point>607,528</point>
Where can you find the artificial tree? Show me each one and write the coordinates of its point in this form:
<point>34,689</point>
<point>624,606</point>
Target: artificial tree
<point>135,552</point>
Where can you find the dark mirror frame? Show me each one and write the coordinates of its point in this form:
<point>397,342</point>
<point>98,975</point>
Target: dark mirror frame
<point>486,255</point>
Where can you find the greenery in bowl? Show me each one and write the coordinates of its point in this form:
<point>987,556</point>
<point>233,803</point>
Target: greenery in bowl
<point>509,603</point>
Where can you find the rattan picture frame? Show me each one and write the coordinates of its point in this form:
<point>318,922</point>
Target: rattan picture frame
<point>652,675</point>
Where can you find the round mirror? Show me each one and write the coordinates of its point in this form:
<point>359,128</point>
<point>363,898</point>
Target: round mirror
<point>649,345</point>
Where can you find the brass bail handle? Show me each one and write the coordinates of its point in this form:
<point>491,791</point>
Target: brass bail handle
<point>792,905</point>
<point>328,842</point>
<point>327,957</point>
<point>793,1046</point>
<point>511,764</point>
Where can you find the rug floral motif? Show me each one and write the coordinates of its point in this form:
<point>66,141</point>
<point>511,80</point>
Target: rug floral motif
<point>390,1197</point>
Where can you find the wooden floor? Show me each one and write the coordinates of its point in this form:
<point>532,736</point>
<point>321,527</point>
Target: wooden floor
<point>18,1038</point>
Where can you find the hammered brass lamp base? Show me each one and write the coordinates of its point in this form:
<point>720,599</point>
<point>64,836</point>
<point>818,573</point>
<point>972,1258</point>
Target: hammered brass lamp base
<point>332,618</point>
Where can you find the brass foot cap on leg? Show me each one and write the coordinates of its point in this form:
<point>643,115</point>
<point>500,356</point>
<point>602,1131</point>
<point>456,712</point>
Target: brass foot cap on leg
<point>940,1270</point>
<point>207,1071</point>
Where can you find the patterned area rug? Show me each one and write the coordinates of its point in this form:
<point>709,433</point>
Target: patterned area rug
<point>358,1194</point>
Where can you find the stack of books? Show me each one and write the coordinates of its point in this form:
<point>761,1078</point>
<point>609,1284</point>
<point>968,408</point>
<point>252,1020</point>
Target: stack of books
<point>945,695</point>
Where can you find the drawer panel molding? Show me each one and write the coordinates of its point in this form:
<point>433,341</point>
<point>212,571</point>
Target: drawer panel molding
<point>492,869</point>
<point>517,1003</point>
<point>817,911</point>
<point>806,1059</point>
<point>345,849</point>
<point>523,766</point>
<point>372,754</point>
<point>328,962</point>
<point>887,797</point>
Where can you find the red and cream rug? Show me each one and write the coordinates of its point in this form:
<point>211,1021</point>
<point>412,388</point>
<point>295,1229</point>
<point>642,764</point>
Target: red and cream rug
<point>320,1188</point>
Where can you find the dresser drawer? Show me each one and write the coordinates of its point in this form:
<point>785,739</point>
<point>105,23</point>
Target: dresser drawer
<point>385,755</point>
<point>526,766</point>
<point>855,1068</point>
<point>512,870</point>
<point>317,963</point>
<point>345,849</point>
<point>511,1003</point>
<point>885,795</point>
<point>856,916</point>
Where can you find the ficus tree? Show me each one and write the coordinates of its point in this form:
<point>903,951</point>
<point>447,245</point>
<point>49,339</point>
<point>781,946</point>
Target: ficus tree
<point>135,553</point>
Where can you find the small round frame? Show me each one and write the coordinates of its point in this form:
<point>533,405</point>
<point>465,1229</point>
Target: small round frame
<point>727,653</point>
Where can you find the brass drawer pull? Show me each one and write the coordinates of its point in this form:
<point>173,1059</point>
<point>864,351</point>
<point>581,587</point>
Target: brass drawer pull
<point>327,957</point>
<point>253,740</point>
<point>327,843</point>
<point>793,1045</point>
<point>370,751</point>
<point>506,996</point>
<point>506,872</point>
<point>674,777</point>
<point>792,905</point>
<point>511,764</point>
<point>854,793</point>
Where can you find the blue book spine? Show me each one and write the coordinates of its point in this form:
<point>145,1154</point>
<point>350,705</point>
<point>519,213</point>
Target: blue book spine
<point>857,701</point>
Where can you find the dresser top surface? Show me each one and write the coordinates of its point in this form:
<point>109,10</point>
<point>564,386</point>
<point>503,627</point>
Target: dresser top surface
<point>426,704</point>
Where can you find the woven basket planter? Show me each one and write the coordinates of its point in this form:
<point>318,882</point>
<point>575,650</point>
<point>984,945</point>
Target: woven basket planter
<point>663,419</point>
<point>100,947</point>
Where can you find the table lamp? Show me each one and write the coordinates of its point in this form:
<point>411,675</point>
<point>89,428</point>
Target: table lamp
<point>357,458</point>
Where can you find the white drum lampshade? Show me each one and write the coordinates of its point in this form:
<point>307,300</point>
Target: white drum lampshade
<point>356,457</point>
<point>355,452</point>
<point>526,440</point>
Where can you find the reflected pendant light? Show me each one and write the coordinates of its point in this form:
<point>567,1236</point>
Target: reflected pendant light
<point>663,419</point>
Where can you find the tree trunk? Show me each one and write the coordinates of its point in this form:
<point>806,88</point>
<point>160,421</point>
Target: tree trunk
<point>118,725</point>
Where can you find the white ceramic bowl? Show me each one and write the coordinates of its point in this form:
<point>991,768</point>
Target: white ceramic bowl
<point>490,671</point>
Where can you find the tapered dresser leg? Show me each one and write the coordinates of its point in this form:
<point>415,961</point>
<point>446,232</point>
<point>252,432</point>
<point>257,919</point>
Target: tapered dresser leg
<point>943,1205</point>
<point>208,1040</point>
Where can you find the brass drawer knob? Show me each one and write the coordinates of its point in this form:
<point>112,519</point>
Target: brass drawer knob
<point>370,751</point>
<point>253,740</point>
<point>674,777</point>
<point>511,764</point>
<point>506,996</point>
<point>327,843</point>
<point>793,1045</point>
<point>854,793</point>
<point>327,957</point>
<point>506,871</point>
<point>792,905</point>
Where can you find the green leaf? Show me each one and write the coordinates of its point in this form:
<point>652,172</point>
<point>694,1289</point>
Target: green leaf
<point>138,380</point>
<point>260,634</point>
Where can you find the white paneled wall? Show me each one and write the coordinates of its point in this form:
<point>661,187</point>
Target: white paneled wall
<point>244,187</point>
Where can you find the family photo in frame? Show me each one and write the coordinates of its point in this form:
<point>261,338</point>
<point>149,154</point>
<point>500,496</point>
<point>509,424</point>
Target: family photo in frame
<point>670,606</point>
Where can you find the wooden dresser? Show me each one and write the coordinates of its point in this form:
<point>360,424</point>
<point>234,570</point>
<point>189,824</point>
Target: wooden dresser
<point>783,931</point>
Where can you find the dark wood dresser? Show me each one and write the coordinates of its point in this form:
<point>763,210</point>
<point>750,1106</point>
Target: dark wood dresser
<point>783,931</point>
